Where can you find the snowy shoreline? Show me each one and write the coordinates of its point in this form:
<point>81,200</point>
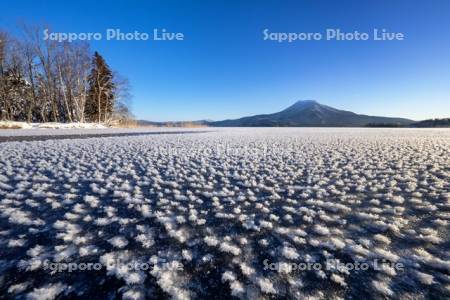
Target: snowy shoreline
<point>50,125</point>
<point>23,129</point>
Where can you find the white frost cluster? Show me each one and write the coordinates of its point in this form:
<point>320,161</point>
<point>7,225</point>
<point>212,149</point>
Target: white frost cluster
<point>213,205</point>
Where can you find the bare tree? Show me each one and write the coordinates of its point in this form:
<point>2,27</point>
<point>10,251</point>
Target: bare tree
<point>29,55</point>
<point>4,100</point>
<point>122,113</point>
<point>81,67</point>
<point>46,51</point>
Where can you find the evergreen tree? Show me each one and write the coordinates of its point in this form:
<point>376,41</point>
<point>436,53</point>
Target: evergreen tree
<point>17,90</point>
<point>101,95</point>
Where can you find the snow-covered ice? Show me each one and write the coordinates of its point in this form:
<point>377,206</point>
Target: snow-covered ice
<point>196,215</point>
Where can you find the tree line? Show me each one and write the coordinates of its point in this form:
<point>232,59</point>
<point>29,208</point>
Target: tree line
<point>50,81</point>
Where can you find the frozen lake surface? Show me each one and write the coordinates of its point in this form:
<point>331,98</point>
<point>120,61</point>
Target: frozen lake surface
<point>11,133</point>
<point>44,135</point>
<point>248,213</point>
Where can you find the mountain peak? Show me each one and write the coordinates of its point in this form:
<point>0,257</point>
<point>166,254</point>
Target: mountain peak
<point>308,101</point>
<point>302,104</point>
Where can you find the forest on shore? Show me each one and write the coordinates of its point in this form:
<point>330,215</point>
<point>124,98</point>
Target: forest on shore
<point>43,80</point>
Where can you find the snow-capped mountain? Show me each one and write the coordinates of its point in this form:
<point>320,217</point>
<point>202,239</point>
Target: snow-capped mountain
<point>312,113</point>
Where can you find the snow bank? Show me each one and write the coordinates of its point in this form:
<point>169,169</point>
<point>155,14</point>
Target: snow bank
<point>75,125</point>
<point>15,125</point>
<point>50,125</point>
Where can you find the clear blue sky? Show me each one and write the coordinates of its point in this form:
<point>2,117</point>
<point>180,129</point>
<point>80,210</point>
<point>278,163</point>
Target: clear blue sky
<point>224,68</point>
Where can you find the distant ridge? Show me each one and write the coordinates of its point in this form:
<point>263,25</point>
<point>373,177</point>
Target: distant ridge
<point>199,123</point>
<point>438,123</point>
<point>305,113</point>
